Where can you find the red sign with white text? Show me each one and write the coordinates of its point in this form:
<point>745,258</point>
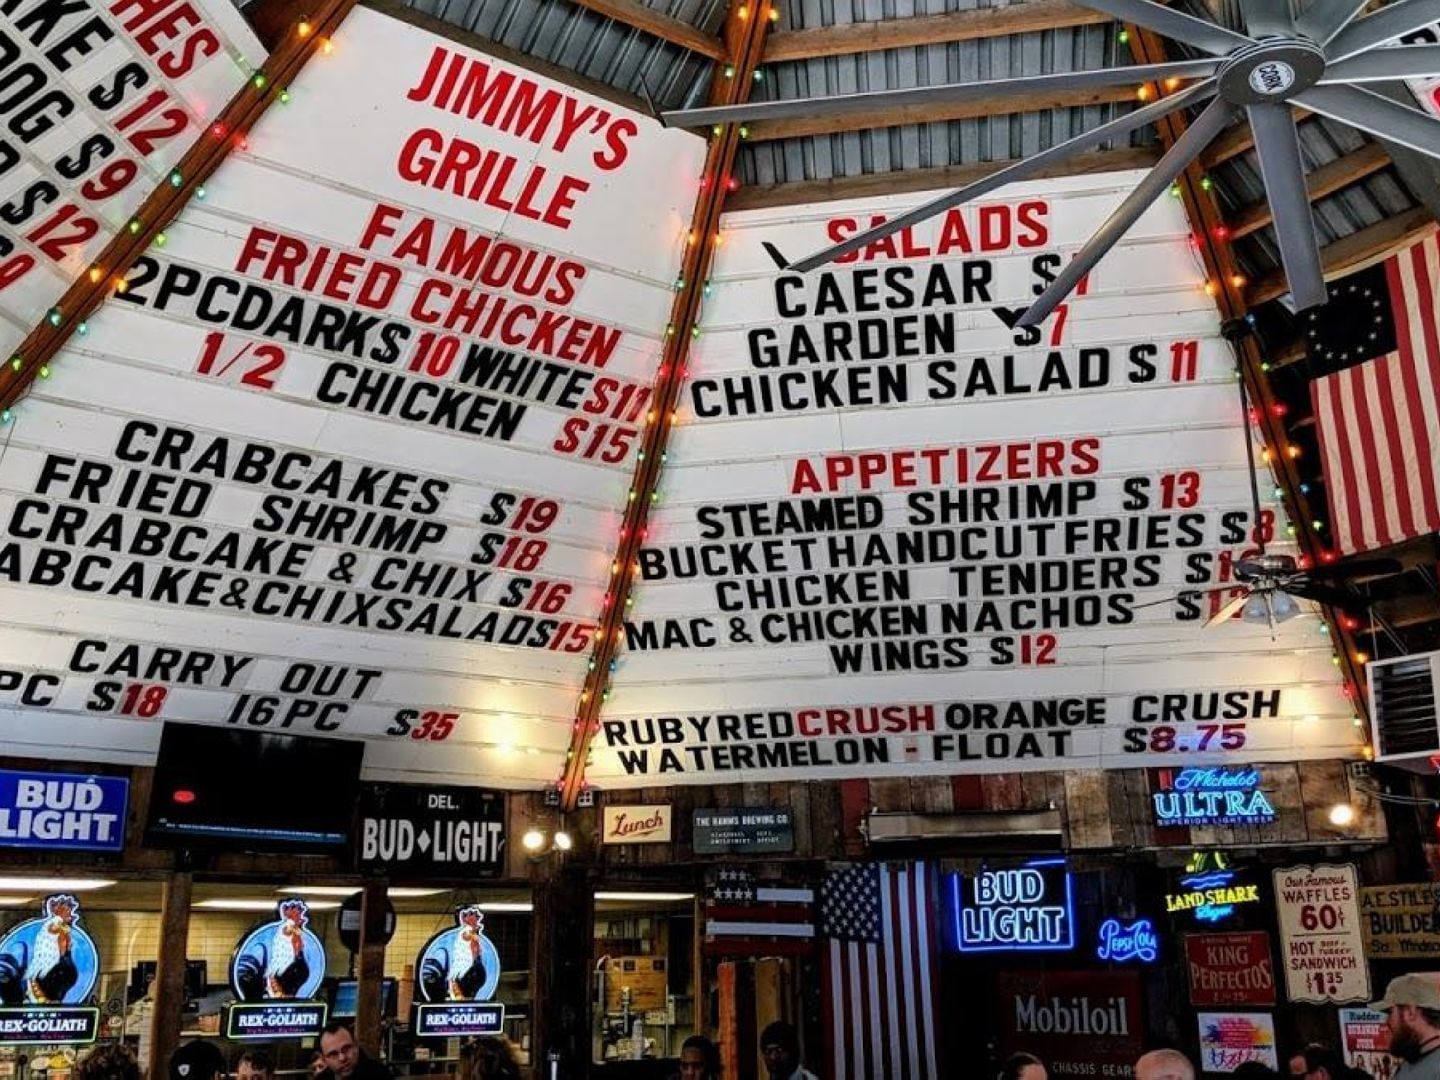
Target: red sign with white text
<point>1230,969</point>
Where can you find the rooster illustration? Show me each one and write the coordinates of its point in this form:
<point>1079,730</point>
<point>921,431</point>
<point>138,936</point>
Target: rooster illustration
<point>457,975</point>
<point>50,973</point>
<point>282,967</point>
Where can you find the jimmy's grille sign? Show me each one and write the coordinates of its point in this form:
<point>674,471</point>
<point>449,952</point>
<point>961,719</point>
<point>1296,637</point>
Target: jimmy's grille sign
<point>62,810</point>
<point>636,825</point>
<point>422,831</point>
<point>1211,796</point>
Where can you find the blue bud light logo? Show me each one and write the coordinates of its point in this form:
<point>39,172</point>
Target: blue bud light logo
<point>50,960</point>
<point>280,960</point>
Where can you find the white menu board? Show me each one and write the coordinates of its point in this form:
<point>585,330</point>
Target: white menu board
<point>897,535</point>
<point>350,454</point>
<point>101,98</point>
<point>1322,948</point>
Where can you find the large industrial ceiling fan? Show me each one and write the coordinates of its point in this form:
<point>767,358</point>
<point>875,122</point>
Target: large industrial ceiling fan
<point>1313,61</point>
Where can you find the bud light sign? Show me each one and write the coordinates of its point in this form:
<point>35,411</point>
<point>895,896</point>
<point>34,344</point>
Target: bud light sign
<point>62,810</point>
<point>1026,909</point>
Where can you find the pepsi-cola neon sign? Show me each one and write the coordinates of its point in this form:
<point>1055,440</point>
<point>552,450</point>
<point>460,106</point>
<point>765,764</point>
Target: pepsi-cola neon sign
<point>1211,796</point>
<point>1026,909</point>
<point>1121,942</point>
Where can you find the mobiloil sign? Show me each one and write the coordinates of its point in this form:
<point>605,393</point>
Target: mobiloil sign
<point>1211,796</point>
<point>275,971</point>
<point>457,973</point>
<point>48,968</point>
<point>1025,909</point>
<point>62,810</point>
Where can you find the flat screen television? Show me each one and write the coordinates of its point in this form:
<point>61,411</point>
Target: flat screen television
<point>347,993</point>
<point>217,786</point>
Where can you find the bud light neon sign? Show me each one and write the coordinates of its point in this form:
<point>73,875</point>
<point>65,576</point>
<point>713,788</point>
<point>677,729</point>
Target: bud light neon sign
<point>1026,909</point>
<point>1211,796</point>
<point>1120,943</point>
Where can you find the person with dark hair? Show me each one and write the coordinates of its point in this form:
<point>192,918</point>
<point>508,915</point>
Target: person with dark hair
<point>197,1060</point>
<point>1412,1010</point>
<point>490,1057</point>
<point>699,1059</point>
<point>254,1065</point>
<point>1317,1062</point>
<point>780,1047</point>
<point>344,1060</point>
<point>108,1061</point>
<point>315,1067</point>
<point>1254,1068</point>
<point>1023,1066</point>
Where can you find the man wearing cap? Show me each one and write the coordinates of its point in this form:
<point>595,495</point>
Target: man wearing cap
<point>197,1060</point>
<point>1412,1008</point>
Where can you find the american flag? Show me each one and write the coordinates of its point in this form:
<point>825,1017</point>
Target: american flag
<point>1375,349</point>
<point>879,971</point>
<point>743,918</point>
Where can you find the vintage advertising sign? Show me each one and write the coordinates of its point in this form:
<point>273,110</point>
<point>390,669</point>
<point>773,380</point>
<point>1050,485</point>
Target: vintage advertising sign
<point>1401,921</point>
<point>62,810</point>
<point>102,99</point>
<point>349,455</point>
<point>456,975</point>
<point>742,830</point>
<point>1228,1040</point>
<point>1365,1042</point>
<point>636,825</point>
<point>1211,796</point>
<point>1127,942</point>
<point>1230,969</point>
<point>1321,948</point>
<point>418,832</point>
<point>1080,1023</point>
<point>276,971</point>
<point>48,970</point>
<point>897,534</point>
<point>1211,889</point>
<point>1027,909</point>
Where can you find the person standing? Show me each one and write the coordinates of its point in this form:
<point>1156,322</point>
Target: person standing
<point>344,1060</point>
<point>1023,1067</point>
<point>1412,1010</point>
<point>699,1059</point>
<point>1317,1062</point>
<point>197,1060</point>
<point>780,1047</point>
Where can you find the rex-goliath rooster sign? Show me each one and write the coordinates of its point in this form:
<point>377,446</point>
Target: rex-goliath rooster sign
<point>48,968</point>
<point>275,973</point>
<point>459,971</point>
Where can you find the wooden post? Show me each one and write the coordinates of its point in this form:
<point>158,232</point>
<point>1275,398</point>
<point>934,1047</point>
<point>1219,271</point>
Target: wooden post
<point>562,937</point>
<point>370,965</point>
<point>168,995</point>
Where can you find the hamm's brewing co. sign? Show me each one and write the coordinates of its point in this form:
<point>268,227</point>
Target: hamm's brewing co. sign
<point>417,831</point>
<point>898,534</point>
<point>62,810</point>
<point>348,455</point>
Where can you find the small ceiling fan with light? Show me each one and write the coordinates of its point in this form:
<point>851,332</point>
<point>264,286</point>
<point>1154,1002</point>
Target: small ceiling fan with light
<point>1316,60</point>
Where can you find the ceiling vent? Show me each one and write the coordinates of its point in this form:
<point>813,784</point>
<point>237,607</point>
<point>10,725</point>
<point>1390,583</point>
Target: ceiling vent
<point>1402,710</point>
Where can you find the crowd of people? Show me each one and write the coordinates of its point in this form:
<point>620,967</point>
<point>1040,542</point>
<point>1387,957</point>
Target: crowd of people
<point>1411,1006</point>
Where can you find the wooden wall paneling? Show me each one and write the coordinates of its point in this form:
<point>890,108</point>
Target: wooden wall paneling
<point>727,1019</point>
<point>169,987</point>
<point>521,813</point>
<point>1139,806</point>
<point>1003,791</point>
<point>797,798</point>
<point>1369,814</point>
<point>932,795</point>
<point>890,795</point>
<point>968,793</point>
<point>1322,785</point>
<point>827,821</point>
<point>854,805</point>
<point>1035,791</point>
<point>1122,828</point>
<point>1283,784</point>
<point>1086,809</point>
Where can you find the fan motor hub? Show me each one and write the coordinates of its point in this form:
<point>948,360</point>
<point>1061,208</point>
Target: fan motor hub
<point>1270,72</point>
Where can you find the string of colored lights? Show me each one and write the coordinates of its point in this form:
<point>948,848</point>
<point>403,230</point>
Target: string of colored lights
<point>744,38</point>
<point>308,34</point>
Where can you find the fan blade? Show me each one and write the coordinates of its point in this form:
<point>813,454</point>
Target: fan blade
<point>1379,116</point>
<point>1397,62</point>
<point>1266,18</point>
<point>1121,125</point>
<point>946,93</point>
<point>1185,150</point>
<point>1228,609</point>
<point>1326,18</point>
<point>1183,594</point>
<point>1327,595</point>
<point>1173,24</point>
<point>1277,144</point>
<point>1387,24</point>
<point>1357,568</point>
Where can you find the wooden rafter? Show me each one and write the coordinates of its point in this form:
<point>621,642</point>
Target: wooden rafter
<point>801,126</point>
<point>1354,252</point>
<point>744,39</point>
<point>946,176</point>
<point>1329,178</point>
<point>289,52</point>
<point>657,24</point>
<point>859,37</point>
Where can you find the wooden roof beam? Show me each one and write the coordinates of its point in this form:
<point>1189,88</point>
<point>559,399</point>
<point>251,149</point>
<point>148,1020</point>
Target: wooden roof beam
<point>1354,252</point>
<point>1329,178</point>
<point>1033,17</point>
<point>657,24</point>
<point>800,127</point>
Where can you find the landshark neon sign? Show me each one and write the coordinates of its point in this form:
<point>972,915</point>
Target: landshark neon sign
<point>1211,796</point>
<point>1212,891</point>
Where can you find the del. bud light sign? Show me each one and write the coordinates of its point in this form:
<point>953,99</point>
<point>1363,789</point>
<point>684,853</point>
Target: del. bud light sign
<point>62,810</point>
<point>1026,909</point>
